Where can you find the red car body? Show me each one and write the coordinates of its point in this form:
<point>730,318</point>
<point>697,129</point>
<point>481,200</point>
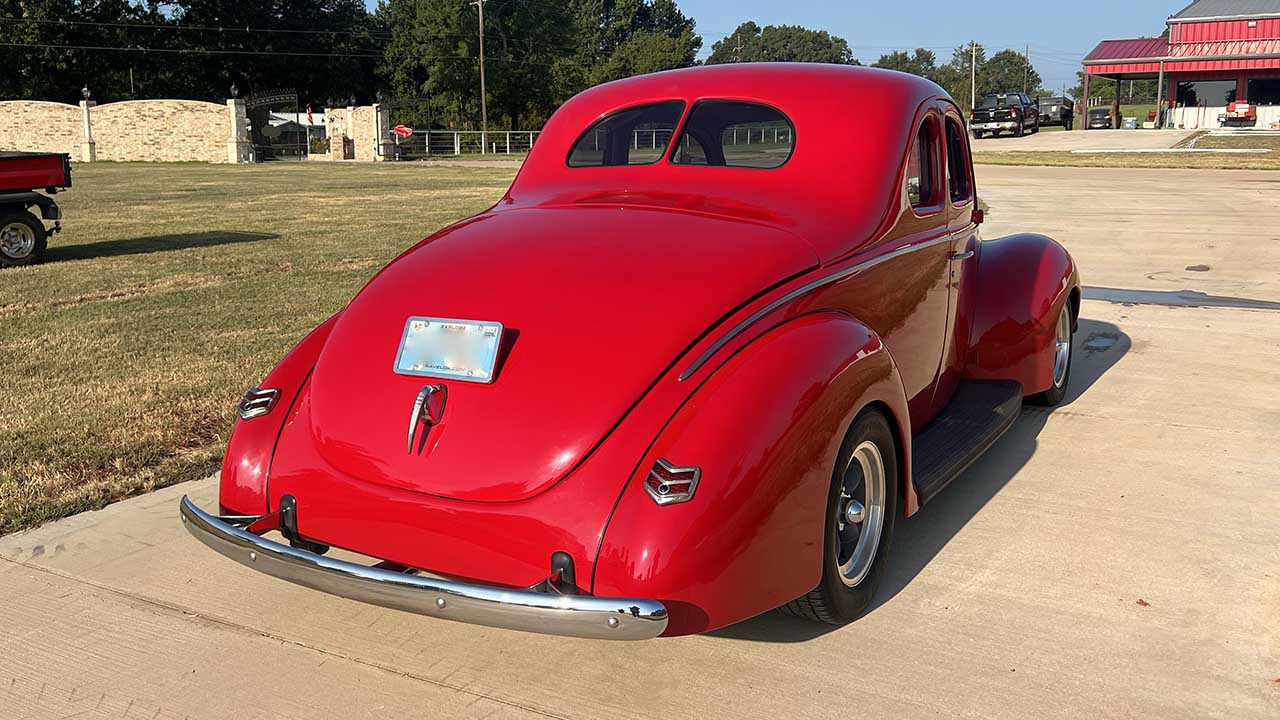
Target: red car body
<point>732,319</point>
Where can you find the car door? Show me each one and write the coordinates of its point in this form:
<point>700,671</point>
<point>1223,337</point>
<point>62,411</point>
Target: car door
<point>910,312</point>
<point>962,254</point>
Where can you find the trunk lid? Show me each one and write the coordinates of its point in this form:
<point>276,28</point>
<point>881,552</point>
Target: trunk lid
<point>597,303</point>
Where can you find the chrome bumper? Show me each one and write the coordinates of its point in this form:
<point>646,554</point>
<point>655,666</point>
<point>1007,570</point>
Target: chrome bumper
<point>529,610</point>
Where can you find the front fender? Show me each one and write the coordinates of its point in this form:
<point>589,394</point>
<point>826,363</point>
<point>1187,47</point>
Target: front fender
<point>1022,283</point>
<point>765,429</point>
<point>247,463</point>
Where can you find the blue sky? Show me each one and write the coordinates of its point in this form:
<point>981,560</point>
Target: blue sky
<point>1060,34</point>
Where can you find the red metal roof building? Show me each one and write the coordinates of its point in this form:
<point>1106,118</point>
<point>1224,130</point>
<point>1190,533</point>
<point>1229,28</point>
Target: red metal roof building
<point>1215,53</point>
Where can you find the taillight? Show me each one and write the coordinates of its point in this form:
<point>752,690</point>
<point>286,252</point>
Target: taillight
<point>1014,111</point>
<point>257,402</point>
<point>669,484</point>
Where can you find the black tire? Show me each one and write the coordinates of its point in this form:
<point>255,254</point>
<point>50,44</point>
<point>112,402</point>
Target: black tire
<point>1035,129</point>
<point>833,601</point>
<point>1058,391</point>
<point>1021,129</point>
<point>38,239</point>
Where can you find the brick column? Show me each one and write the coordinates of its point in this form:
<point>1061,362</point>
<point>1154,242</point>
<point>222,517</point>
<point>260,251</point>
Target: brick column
<point>88,148</point>
<point>239,146</point>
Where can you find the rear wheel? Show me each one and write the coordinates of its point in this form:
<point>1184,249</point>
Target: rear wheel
<point>1061,361</point>
<point>22,239</point>
<point>1021,129</point>
<point>862,507</point>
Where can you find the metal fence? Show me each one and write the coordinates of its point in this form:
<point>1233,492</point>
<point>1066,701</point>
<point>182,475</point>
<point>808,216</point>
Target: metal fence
<point>424,144</point>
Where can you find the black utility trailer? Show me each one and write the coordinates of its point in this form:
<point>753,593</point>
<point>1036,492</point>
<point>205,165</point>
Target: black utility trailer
<point>1059,111</point>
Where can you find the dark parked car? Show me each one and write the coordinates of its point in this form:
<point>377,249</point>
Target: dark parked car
<point>1057,111</point>
<point>1100,119</point>
<point>1005,112</point>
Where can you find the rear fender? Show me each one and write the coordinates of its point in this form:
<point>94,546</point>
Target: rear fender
<point>765,429</point>
<point>1022,283</point>
<point>247,464</point>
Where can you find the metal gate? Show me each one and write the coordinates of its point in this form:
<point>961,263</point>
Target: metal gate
<point>276,126</point>
<point>413,113</point>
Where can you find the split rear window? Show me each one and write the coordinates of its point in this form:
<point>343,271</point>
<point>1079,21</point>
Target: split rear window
<point>635,136</point>
<point>718,133</point>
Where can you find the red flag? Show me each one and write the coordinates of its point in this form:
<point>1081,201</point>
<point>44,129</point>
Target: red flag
<point>310,120</point>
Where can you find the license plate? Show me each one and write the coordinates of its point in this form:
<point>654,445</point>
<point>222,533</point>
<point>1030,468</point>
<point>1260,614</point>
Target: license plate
<point>451,349</point>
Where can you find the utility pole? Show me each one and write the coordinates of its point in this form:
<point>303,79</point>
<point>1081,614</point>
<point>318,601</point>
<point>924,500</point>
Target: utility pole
<point>973,75</point>
<point>484,102</point>
<point>1026,69</point>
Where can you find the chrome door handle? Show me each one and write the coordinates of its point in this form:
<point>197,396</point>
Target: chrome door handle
<point>961,255</point>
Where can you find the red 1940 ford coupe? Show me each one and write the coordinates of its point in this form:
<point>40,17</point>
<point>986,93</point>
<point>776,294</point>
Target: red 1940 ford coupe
<point>726,327</point>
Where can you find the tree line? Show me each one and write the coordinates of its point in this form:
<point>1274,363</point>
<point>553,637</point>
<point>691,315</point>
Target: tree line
<point>335,52</point>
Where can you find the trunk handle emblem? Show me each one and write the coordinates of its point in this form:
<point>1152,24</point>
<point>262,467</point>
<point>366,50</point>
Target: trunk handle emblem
<point>428,409</point>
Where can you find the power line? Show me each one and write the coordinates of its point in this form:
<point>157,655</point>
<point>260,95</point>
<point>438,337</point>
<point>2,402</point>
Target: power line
<point>201,51</point>
<point>381,35</point>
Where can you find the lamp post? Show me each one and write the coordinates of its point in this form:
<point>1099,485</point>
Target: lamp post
<point>88,150</point>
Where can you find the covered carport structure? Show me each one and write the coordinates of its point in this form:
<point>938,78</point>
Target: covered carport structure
<point>1215,53</point>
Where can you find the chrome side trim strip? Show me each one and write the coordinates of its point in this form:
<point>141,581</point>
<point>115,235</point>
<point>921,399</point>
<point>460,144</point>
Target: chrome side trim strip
<point>584,616</point>
<point>810,287</point>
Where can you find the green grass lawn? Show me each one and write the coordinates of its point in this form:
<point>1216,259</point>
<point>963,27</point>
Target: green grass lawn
<point>1172,160</point>
<point>172,289</point>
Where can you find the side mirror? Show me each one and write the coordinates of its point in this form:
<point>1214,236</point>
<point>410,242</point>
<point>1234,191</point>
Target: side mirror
<point>979,216</point>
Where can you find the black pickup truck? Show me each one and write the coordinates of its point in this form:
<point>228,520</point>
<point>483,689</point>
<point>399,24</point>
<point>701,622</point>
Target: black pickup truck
<point>1005,112</point>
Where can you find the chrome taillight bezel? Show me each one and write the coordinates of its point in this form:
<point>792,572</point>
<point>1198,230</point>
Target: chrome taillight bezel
<point>257,402</point>
<point>669,484</point>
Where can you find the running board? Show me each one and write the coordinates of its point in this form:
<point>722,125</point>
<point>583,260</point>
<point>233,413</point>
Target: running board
<point>978,414</point>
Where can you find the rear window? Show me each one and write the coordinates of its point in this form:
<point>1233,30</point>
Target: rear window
<point>729,133</point>
<point>999,101</point>
<point>635,136</point>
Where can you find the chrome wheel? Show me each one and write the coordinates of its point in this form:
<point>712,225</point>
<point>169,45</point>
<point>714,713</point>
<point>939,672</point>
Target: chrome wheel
<point>17,240</point>
<point>1062,353</point>
<point>861,513</point>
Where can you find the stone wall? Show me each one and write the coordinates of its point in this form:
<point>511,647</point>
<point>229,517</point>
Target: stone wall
<point>361,129</point>
<point>162,131</point>
<point>354,132</point>
<point>41,127</point>
<point>338,123</point>
<point>136,130</point>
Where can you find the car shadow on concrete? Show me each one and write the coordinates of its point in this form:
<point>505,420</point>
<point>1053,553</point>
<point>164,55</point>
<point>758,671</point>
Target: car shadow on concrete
<point>152,244</point>
<point>918,539</point>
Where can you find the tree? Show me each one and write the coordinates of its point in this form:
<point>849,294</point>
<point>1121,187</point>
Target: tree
<point>1009,71</point>
<point>287,48</point>
<point>923,63</point>
<point>781,43</point>
<point>434,53</point>
<point>195,49</point>
<point>619,38</point>
<point>49,70</point>
<point>646,52</point>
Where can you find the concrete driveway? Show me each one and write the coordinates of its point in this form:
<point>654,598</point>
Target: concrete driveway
<point>1117,557</point>
<point>1050,141</point>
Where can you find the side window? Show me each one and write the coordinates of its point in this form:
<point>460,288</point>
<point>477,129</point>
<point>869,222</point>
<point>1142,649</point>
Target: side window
<point>635,136</point>
<point>920,171</point>
<point>730,133</point>
<point>957,164</point>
